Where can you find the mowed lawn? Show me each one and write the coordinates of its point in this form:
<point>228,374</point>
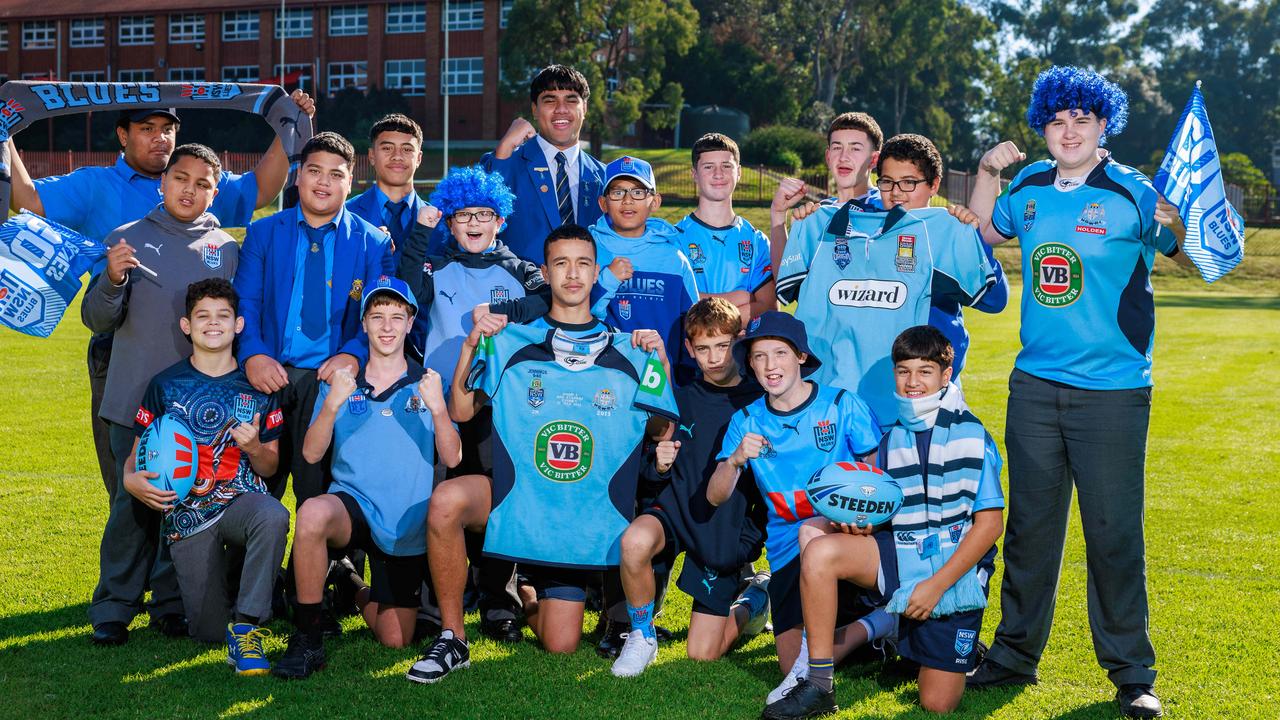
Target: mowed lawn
<point>1213,569</point>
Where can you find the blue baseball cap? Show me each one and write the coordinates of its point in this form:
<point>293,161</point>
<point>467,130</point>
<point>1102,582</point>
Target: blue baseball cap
<point>391,286</point>
<point>780,325</point>
<point>630,167</point>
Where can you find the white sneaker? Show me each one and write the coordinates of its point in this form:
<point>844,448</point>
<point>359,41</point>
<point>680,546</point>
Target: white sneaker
<point>799,671</point>
<point>637,652</point>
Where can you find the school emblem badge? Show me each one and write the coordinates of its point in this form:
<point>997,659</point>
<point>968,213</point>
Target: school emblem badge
<point>358,403</point>
<point>1057,275</point>
<point>211,255</point>
<point>964,641</point>
<point>841,254</point>
<point>1028,215</point>
<point>498,294</point>
<point>824,435</point>
<point>357,287</point>
<point>905,260</point>
<point>537,395</point>
<point>244,407</point>
<point>745,251</point>
<point>1092,220</point>
<point>624,309</point>
<point>562,451</point>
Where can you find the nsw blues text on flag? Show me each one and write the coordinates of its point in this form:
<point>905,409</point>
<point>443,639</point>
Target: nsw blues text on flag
<point>1190,178</point>
<point>40,267</point>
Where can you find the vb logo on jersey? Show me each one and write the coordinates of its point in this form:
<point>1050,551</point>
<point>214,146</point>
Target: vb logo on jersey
<point>1092,220</point>
<point>1057,275</point>
<point>562,451</point>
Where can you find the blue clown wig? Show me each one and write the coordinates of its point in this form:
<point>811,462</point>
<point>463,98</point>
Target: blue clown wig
<point>1071,88</point>
<point>472,187</point>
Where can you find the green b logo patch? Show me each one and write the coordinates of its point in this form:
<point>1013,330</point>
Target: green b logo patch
<point>1057,275</point>
<point>562,451</point>
<point>653,378</point>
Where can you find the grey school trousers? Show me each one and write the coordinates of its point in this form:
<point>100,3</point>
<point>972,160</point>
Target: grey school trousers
<point>1058,438</point>
<point>256,522</point>
<point>131,556</point>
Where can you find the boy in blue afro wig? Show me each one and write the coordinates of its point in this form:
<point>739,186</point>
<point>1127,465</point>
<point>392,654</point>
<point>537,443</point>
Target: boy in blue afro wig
<point>1063,87</point>
<point>473,187</point>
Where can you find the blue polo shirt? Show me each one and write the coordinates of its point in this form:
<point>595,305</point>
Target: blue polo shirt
<point>96,200</point>
<point>300,350</point>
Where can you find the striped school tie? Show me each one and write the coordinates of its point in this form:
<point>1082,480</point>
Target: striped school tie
<point>563,200</point>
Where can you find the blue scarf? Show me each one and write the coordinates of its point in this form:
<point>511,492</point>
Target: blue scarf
<point>943,505</point>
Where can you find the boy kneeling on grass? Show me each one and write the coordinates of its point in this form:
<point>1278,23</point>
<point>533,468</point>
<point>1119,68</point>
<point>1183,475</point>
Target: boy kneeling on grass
<point>387,425</point>
<point>934,559</point>
<point>235,429</point>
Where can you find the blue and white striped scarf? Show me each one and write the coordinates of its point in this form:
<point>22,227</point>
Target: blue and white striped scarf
<point>941,506</point>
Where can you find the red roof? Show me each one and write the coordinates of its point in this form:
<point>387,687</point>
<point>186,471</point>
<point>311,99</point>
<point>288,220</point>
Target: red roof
<point>43,9</point>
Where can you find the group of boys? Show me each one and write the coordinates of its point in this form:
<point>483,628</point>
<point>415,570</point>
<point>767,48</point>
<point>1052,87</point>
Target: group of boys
<point>433,385</point>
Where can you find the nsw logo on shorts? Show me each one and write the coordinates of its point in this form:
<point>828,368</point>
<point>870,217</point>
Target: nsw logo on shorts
<point>964,641</point>
<point>562,451</point>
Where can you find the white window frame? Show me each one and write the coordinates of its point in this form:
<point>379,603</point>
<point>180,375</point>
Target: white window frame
<point>39,34</point>
<point>505,13</point>
<point>304,80</point>
<point>342,75</point>
<point>295,23</point>
<point>87,76</point>
<point>186,74</point>
<point>406,17</point>
<point>136,75</point>
<point>88,32</point>
<point>348,20</point>
<point>465,15</point>
<point>240,25</point>
<point>240,73</point>
<point>136,30</point>
<point>454,70</point>
<point>4,38</point>
<point>186,28</point>
<point>410,82</point>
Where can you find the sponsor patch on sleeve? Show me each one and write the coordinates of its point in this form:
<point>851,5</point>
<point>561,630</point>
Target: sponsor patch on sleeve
<point>275,419</point>
<point>144,417</point>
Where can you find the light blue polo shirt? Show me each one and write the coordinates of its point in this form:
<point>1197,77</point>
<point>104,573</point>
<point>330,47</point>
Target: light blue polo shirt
<point>300,350</point>
<point>96,200</point>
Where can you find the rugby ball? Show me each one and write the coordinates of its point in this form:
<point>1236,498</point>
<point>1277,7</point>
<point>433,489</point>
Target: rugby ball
<point>854,493</point>
<point>168,448</point>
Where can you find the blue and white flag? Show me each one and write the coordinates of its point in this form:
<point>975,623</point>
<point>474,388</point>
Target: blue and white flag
<point>1190,178</point>
<point>40,267</point>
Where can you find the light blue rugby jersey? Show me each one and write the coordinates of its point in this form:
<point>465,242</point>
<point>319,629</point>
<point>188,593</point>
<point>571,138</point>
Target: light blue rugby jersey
<point>384,449</point>
<point>861,277</point>
<point>832,425</point>
<point>1088,312</point>
<point>725,259</point>
<point>569,415</point>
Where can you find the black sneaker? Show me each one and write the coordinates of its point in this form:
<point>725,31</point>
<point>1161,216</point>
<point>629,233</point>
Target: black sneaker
<point>342,599</point>
<point>805,700</point>
<point>992,674</point>
<point>110,633</point>
<point>440,658</point>
<point>172,625</point>
<point>612,637</point>
<point>304,656</point>
<point>1138,701</point>
<point>505,630</point>
<point>425,628</point>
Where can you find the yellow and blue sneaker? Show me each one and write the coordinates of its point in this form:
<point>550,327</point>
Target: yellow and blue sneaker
<point>244,649</point>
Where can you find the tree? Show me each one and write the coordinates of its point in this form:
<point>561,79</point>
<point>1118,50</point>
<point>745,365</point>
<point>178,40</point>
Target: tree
<point>621,46</point>
<point>832,37</point>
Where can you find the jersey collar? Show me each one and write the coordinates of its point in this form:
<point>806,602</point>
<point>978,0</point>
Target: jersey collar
<point>411,376</point>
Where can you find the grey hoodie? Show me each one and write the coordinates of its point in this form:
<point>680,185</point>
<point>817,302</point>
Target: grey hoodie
<point>144,311</point>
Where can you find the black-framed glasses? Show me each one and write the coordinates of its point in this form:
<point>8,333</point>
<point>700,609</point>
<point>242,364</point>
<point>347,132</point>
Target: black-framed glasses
<point>908,185</point>
<point>636,193</point>
<point>484,216</point>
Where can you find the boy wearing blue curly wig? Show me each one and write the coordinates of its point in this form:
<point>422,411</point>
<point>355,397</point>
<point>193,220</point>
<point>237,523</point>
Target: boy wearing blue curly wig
<point>1080,393</point>
<point>473,268</point>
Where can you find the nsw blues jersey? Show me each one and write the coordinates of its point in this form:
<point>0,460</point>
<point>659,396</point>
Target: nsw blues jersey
<point>384,448</point>
<point>1088,312</point>
<point>569,416</point>
<point>831,426</point>
<point>862,277</point>
<point>210,407</point>
<point>726,259</point>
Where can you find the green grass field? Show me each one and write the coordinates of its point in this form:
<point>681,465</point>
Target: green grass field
<point>1213,567</point>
